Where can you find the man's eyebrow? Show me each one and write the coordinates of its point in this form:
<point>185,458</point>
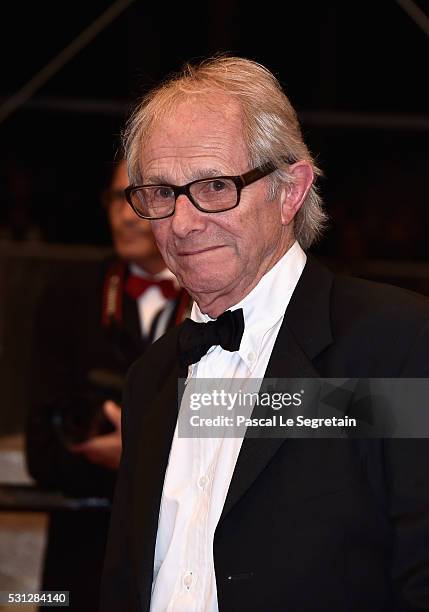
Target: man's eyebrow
<point>202,173</point>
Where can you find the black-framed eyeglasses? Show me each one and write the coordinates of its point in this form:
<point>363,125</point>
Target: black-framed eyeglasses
<point>210,195</point>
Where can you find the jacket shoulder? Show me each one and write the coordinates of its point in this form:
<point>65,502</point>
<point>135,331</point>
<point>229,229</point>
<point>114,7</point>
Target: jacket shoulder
<point>358,299</point>
<point>378,330</point>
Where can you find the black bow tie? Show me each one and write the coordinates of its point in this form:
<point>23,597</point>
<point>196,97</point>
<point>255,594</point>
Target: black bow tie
<point>195,339</point>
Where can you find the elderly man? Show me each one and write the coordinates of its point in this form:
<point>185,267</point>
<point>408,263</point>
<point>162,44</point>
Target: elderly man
<point>218,164</point>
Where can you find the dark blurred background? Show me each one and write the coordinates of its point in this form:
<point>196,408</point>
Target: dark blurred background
<point>355,71</point>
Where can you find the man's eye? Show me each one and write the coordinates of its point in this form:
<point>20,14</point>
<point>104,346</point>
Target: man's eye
<point>216,189</point>
<point>163,193</point>
<point>218,185</point>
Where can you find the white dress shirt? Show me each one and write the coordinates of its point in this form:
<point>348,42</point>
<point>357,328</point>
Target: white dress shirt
<point>152,300</point>
<point>199,471</point>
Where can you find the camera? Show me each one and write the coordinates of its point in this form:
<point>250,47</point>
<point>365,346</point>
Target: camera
<point>79,416</point>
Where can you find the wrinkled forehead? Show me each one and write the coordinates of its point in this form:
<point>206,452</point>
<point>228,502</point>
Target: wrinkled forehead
<point>194,122</point>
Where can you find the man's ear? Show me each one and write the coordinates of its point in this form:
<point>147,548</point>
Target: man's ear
<point>293,194</point>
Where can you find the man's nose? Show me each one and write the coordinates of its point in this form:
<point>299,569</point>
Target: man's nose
<point>187,218</point>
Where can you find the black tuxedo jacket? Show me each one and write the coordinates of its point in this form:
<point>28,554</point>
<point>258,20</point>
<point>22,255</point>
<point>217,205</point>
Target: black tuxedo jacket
<point>338,525</point>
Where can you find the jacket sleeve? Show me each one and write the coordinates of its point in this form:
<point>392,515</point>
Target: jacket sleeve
<point>407,472</point>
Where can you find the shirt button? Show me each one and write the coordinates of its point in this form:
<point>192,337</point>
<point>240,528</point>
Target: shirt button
<point>251,357</point>
<point>202,482</point>
<point>187,580</point>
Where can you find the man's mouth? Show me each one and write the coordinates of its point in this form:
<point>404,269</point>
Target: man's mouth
<point>198,251</point>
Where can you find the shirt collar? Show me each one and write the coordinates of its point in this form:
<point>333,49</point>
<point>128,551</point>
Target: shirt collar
<point>265,305</point>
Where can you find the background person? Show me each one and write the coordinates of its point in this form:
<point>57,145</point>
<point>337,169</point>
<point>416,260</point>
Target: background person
<point>89,330</point>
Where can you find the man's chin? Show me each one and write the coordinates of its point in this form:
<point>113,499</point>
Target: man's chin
<point>202,285</point>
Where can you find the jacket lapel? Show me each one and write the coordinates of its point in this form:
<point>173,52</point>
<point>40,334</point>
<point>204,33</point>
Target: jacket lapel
<point>155,436</point>
<point>304,334</point>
